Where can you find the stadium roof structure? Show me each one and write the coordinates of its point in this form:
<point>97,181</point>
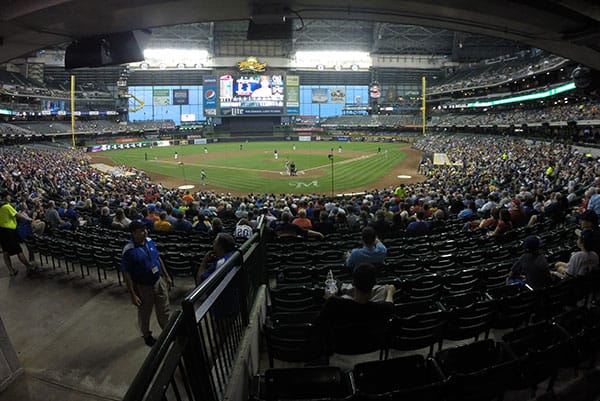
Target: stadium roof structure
<point>569,28</point>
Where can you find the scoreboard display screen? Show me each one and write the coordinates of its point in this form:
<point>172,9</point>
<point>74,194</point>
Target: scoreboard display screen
<point>244,95</point>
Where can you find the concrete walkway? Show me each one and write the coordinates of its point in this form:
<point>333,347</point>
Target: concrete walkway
<point>76,338</point>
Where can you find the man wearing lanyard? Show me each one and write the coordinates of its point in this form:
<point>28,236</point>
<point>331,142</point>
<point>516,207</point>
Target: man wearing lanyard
<point>146,278</point>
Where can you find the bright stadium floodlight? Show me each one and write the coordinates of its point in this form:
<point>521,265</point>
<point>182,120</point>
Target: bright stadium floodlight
<point>346,59</point>
<point>175,57</point>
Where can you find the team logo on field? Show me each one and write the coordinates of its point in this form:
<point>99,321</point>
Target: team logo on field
<point>299,184</point>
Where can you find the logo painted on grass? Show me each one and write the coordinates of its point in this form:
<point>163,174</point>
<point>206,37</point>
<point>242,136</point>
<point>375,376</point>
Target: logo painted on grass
<point>299,184</point>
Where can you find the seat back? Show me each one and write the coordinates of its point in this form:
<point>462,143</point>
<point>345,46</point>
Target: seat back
<point>409,374</point>
<point>540,349</point>
<point>556,298</point>
<point>295,275</point>
<point>417,331</point>
<point>307,383</point>
<point>422,288</point>
<point>403,266</point>
<point>495,274</point>
<point>292,343</point>
<point>460,282</point>
<point>179,264</point>
<point>479,371</point>
<point>515,305</point>
<point>286,318</point>
<point>294,299</point>
<point>469,316</point>
<point>357,338</point>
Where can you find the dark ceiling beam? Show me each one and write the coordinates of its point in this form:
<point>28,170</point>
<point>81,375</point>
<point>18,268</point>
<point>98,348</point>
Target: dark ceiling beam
<point>568,28</point>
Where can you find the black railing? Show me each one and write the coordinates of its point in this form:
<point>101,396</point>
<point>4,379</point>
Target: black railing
<point>165,370</point>
<point>194,357</point>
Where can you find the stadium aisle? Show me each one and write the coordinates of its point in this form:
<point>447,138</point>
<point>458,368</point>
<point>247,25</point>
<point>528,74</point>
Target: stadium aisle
<point>76,339</point>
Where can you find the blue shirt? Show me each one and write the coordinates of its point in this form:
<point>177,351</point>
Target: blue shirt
<point>594,203</point>
<point>365,254</point>
<point>140,261</point>
<point>215,265</point>
<point>418,227</point>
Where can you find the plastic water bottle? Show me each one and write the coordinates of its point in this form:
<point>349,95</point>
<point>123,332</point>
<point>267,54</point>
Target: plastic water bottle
<point>330,284</point>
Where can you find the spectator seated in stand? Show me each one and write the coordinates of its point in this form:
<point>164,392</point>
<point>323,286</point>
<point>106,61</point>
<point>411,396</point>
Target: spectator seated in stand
<point>588,220</point>
<point>223,249</point>
<point>357,325</point>
<point>531,268</point>
<point>419,226</point>
<point>284,229</point>
<point>582,262</point>
<point>373,251</point>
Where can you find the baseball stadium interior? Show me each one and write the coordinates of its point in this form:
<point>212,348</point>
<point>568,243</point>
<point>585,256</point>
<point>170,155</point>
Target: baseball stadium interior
<point>488,287</point>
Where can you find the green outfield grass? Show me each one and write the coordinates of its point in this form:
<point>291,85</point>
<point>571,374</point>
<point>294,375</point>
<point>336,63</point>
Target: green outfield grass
<point>254,169</point>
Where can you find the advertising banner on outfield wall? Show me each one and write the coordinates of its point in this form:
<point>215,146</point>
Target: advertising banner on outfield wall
<point>161,97</point>
<point>181,97</point>
<point>209,95</point>
<point>338,95</point>
<point>304,138</point>
<point>119,146</point>
<point>186,118</point>
<point>127,140</point>
<point>319,95</point>
<point>292,94</point>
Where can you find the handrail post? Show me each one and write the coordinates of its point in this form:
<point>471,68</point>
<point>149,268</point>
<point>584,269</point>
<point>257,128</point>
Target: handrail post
<point>202,387</point>
<point>244,285</point>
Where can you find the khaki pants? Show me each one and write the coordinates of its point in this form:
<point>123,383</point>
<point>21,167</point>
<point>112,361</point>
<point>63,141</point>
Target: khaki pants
<point>153,296</point>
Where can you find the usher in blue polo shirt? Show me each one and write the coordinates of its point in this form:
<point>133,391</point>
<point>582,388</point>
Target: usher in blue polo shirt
<point>138,261</point>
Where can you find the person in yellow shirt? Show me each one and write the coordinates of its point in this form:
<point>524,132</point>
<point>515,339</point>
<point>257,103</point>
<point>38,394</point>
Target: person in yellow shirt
<point>163,224</point>
<point>9,239</point>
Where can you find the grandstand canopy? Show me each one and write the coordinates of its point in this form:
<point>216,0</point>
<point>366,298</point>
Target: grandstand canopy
<point>569,28</point>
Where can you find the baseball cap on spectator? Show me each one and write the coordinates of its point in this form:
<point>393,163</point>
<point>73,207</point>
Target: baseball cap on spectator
<point>136,225</point>
<point>589,215</point>
<point>531,243</point>
<point>72,203</point>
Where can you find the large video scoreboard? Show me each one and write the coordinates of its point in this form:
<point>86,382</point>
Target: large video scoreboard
<point>247,94</point>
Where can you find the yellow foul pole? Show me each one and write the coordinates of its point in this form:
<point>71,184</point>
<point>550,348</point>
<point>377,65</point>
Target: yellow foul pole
<point>423,108</point>
<point>73,109</point>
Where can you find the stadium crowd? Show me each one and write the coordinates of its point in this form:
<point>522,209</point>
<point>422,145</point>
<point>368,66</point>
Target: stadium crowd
<point>548,181</point>
<point>494,72</point>
<point>557,113</point>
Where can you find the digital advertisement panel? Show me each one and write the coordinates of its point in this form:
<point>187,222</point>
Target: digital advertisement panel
<point>209,95</point>
<point>181,97</point>
<point>338,95</point>
<point>319,95</point>
<point>160,97</point>
<point>251,94</point>
<point>292,94</point>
